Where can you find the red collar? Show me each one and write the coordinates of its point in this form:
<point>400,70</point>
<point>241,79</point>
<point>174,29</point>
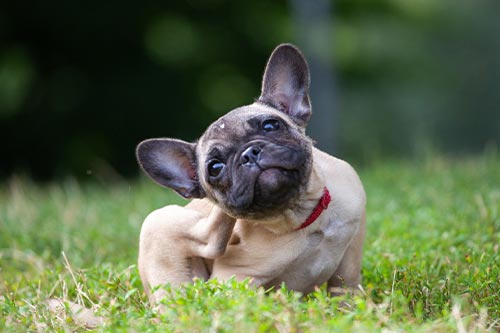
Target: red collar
<point>320,207</point>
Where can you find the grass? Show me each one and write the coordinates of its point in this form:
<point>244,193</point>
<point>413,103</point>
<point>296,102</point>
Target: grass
<point>431,260</point>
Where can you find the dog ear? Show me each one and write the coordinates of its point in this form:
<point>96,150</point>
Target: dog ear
<point>171,163</point>
<point>285,85</point>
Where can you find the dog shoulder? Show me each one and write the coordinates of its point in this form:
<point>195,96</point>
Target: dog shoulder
<point>194,207</point>
<point>204,206</point>
<point>164,218</point>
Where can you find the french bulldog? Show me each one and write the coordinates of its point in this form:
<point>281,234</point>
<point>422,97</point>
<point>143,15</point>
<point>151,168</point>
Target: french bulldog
<point>266,204</point>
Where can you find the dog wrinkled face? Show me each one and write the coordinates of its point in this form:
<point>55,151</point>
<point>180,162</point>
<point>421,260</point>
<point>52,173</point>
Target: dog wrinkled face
<point>255,160</point>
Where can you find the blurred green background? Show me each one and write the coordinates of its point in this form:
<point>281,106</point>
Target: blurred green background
<point>81,83</point>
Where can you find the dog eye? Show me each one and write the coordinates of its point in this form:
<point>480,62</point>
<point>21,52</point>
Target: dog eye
<point>270,125</point>
<point>215,167</point>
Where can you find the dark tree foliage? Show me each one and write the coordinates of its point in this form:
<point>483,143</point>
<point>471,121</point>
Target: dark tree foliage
<point>81,83</point>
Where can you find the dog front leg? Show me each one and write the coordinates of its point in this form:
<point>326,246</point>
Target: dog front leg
<point>210,238</point>
<point>175,241</point>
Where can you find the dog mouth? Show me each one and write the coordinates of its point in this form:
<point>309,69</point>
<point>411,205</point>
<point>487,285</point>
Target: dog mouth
<point>268,190</point>
<point>272,178</point>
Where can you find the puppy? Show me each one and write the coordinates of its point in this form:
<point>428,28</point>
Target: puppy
<point>267,205</point>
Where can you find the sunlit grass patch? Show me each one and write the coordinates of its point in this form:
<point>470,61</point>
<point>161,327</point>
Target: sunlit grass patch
<point>430,264</point>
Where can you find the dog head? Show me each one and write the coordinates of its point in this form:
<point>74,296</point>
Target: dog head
<point>256,160</point>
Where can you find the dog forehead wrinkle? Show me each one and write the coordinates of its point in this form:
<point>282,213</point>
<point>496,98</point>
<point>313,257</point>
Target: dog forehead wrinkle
<point>220,124</point>
<point>224,136</point>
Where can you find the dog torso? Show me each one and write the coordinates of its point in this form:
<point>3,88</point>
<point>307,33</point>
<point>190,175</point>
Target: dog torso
<point>273,252</point>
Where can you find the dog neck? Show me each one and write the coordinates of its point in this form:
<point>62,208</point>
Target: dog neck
<point>323,203</point>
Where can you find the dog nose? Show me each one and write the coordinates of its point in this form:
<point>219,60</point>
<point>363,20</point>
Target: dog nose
<point>250,156</point>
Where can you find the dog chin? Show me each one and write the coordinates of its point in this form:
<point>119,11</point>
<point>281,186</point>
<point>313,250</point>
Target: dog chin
<point>273,190</point>
<point>273,183</point>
